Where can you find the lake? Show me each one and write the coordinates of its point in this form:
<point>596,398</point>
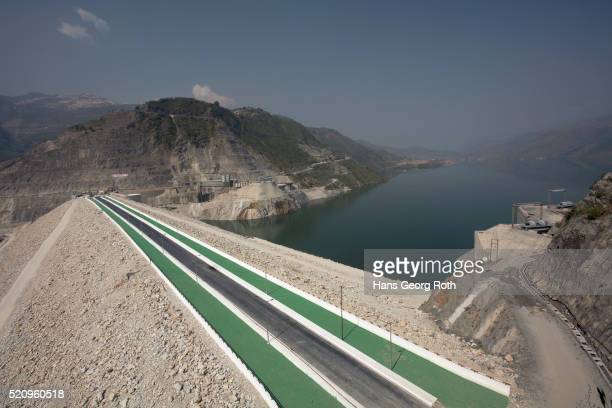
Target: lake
<point>434,208</point>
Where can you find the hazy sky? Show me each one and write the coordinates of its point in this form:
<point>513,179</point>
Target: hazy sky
<point>433,73</point>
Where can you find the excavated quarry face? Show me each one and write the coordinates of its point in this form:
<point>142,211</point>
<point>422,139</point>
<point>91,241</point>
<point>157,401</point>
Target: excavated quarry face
<point>140,150</point>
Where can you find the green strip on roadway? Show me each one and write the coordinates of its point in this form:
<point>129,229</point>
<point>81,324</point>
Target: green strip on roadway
<point>287,384</point>
<point>452,390</point>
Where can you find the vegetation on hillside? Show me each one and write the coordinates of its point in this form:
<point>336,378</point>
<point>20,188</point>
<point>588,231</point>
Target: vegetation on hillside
<point>345,146</point>
<point>278,139</point>
<point>347,173</point>
<point>192,107</point>
<point>160,126</point>
<point>197,131</point>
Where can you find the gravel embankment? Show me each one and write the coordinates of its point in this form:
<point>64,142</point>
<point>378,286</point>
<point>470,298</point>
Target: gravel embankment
<point>23,243</point>
<point>98,323</point>
<point>323,278</point>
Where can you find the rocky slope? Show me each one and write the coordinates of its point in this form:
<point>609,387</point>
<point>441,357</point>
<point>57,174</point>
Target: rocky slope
<point>577,272</point>
<point>483,307</point>
<point>106,330</point>
<point>573,267</point>
<point>170,151</point>
<point>342,145</point>
<point>32,118</point>
<point>571,271</point>
<point>259,200</point>
<point>23,242</point>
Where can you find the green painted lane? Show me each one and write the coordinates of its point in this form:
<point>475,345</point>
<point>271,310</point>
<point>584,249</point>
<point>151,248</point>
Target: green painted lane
<point>287,384</point>
<point>452,390</point>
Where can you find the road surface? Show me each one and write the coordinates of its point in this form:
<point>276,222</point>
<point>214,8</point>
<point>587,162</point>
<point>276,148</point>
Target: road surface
<point>362,383</point>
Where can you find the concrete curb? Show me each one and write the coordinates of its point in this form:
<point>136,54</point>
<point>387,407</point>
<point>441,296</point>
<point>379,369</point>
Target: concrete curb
<point>265,395</point>
<point>400,381</point>
<point>453,367</point>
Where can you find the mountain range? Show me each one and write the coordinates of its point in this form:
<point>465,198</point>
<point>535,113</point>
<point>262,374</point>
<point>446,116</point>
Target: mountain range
<point>32,118</point>
<point>415,152</point>
<point>170,148</point>
<point>585,142</point>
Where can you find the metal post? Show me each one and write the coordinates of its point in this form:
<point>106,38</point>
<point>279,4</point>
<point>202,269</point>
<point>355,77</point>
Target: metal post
<point>496,249</point>
<point>390,348</point>
<point>341,316</point>
<point>541,210</point>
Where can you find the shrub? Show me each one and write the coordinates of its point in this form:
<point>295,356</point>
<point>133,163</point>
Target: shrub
<point>593,213</point>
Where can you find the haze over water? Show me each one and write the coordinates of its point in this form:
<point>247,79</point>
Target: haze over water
<point>434,208</point>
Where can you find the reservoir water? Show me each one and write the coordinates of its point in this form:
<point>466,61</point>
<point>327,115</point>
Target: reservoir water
<point>434,208</point>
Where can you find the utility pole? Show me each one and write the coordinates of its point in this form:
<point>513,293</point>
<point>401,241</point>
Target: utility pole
<point>341,316</point>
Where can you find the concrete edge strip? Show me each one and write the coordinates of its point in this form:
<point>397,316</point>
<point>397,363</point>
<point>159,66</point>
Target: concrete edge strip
<point>451,366</point>
<point>433,357</point>
<point>319,378</point>
<point>259,387</point>
<point>325,383</point>
<point>374,365</point>
<point>11,298</point>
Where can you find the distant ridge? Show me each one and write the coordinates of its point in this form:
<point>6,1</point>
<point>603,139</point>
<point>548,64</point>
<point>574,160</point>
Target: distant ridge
<point>32,118</point>
<point>587,141</point>
<point>414,152</point>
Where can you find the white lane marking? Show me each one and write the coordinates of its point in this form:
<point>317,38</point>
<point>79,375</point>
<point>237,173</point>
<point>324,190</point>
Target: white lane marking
<point>259,387</point>
<point>420,351</point>
<point>375,366</point>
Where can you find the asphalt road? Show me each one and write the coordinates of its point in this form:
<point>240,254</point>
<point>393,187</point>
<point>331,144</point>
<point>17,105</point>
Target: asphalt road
<point>363,384</point>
